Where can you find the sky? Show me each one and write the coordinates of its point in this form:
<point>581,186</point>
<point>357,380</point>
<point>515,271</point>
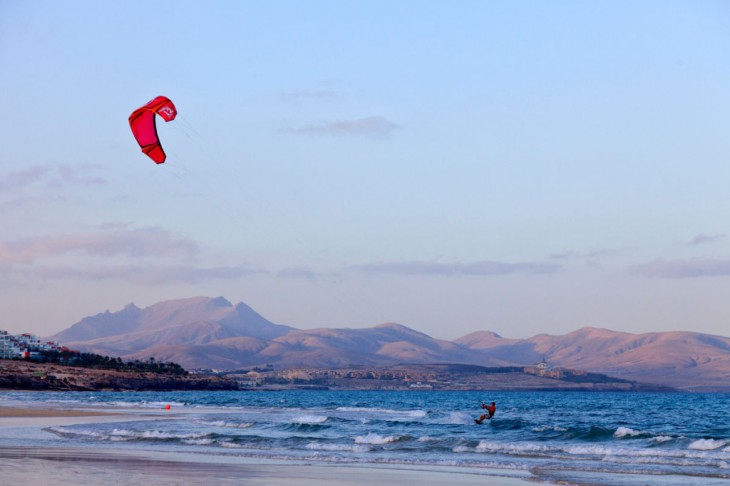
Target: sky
<point>514,166</point>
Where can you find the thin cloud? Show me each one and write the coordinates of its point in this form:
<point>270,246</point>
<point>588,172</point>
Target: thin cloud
<point>30,201</point>
<point>374,127</point>
<point>702,239</point>
<point>134,274</point>
<point>298,273</point>
<point>684,268</point>
<point>81,175</point>
<point>107,241</point>
<point>326,90</point>
<point>482,268</point>
<point>23,178</point>
<point>575,255</point>
<point>53,176</point>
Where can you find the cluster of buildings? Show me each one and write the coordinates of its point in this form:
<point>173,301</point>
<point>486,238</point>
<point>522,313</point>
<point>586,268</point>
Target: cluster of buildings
<point>28,346</point>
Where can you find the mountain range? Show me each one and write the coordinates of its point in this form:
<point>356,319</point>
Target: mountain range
<point>204,332</point>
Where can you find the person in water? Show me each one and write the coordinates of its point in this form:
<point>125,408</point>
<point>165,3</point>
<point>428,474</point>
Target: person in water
<point>490,412</point>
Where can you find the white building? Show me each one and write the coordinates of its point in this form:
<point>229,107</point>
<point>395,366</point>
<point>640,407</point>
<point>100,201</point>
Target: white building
<point>23,345</point>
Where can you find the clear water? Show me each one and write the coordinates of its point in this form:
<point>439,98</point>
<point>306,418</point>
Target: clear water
<point>573,437</point>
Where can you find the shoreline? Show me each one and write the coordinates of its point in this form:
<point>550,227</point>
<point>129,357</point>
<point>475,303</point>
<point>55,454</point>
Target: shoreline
<point>7,412</point>
<point>91,466</point>
<point>114,466</point>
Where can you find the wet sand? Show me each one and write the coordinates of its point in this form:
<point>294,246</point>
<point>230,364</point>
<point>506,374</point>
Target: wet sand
<point>102,467</point>
<point>35,412</point>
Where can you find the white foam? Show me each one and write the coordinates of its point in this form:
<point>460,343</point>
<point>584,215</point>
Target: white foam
<point>661,438</point>
<point>707,444</point>
<point>198,441</point>
<point>65,431</point>
<point>320,446</point>
<point>526,448</point>
<point>310,419</point>
<point>459,418</point>
<point>549,428</point>
<point>226,424</point>
<point>230,445</point>
<point>626,432</point>
<point>366,409</point>
<point>152,434</point>
<point>385,411</point>
<point>375,439</point>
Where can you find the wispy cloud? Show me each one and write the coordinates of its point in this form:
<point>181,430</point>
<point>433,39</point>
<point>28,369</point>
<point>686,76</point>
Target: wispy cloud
<point>30,201</point>
<point>79,175</point>
<point>703,239</point>
<point>134,274</point>
<point>684,268</point>
<point>23,178</point>
<point>111,252</point>
<point>456,269</point>
<point>52,176</point>
<point>107,241</point>
<point>298,273</point>
<point>575,255</point>
<point>373,126</point>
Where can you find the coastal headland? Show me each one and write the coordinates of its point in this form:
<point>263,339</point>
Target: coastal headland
<point>28,375</point>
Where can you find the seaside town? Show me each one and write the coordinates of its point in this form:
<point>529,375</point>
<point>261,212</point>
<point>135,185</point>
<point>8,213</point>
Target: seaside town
<point>28,346</point>
<point>437,376</point>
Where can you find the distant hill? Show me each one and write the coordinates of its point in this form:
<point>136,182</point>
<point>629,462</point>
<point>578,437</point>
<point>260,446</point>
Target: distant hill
<point>204,332</point>
<point>686,360</point>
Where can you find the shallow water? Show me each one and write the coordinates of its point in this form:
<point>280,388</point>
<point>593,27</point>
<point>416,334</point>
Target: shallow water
<point>578,437</point>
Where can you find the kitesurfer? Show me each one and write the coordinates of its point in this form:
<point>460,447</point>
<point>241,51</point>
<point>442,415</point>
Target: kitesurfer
<point>490,412</point>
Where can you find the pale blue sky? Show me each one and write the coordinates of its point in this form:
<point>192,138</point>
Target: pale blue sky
<point>520,167</point>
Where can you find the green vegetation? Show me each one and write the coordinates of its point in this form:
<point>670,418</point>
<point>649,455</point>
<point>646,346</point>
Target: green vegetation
<point>96,361</point>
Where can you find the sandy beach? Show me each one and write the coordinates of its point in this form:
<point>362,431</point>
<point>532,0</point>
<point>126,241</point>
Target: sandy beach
<point>6,412</point>
<point>102,467</point>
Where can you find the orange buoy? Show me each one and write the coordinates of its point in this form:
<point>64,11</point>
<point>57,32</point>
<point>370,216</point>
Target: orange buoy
<point>167,407</point>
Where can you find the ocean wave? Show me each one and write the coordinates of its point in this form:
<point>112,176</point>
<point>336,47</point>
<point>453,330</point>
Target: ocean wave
<point>367,409</point>
<point>622,432</point>
<point>428,429</point>
<point>376,439</point>
<point>206,441</point>
<point>321,446</point>
<point>513,449</point>
<point>385,411</point>
<point>226,424</point>
<point>459,418</point>
<point>70,433</point>
<point>117,435</point>
<point>549,428</point>
<point>154,435</point>
<point>660,439</point>
<point>310,419</point>
<point>708,444</point>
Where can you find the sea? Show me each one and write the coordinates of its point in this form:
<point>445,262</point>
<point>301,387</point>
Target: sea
<point>580,438</point>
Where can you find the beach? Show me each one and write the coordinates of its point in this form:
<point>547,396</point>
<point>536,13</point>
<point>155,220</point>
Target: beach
<point>363,438</point>
<point>102,467</point>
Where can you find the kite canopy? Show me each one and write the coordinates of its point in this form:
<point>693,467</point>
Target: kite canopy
<point>142,123</point>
